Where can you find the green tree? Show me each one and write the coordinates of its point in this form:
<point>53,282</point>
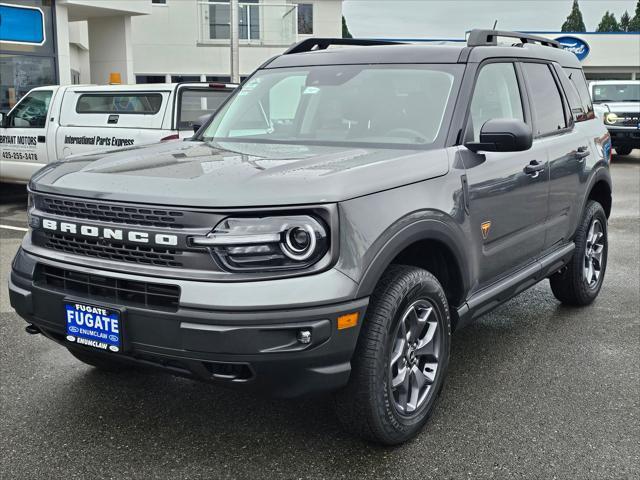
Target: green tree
<point>634,24</point>
<point>574,22</point>
<point>625,20</point>
<point>608,23</point>
<point>345,30</point>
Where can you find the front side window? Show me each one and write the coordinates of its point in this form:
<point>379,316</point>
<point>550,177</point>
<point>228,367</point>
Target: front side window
<point>134,103</point>
<point>344,104</point>
<point>622,92</point>
<point>305,18</point>
<point>545,97</point>
<point>496,95</point>
<point>195,103</point>
<point>32,111</point>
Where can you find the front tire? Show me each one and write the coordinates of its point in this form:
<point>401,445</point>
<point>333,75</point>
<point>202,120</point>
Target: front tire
<point>401,358</point>
<point>623,150</point>
<point>580,281</point>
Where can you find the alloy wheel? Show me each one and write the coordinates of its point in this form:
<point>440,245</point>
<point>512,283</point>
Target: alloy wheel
<point>593,254</point>
<point>414,358</point>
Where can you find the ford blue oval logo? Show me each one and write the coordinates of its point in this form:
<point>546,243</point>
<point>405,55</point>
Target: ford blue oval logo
<point>575,45</point>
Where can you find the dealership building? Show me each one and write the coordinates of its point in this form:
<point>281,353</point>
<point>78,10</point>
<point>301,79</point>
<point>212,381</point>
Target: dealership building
<point>151,41</point>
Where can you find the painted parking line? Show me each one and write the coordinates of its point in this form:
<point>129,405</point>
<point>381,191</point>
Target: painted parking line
<point>11,227</point>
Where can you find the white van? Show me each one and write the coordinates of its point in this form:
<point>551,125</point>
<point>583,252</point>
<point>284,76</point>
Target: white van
<point>51,123</point>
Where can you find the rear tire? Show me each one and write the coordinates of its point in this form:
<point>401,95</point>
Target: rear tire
<point>623,150</point>
<point>99,361</point>
<point>580,281</point>
<point>401,358</point>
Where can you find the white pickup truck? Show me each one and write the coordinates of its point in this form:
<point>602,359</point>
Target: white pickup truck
<point>52,123</point>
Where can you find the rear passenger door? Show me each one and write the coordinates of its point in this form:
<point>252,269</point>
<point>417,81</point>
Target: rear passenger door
<point>93,121</point>
<point>566,147</point>
<point>507,205</point>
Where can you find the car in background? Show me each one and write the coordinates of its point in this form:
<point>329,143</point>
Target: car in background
<point>618,103</point>
<point>52,123</point>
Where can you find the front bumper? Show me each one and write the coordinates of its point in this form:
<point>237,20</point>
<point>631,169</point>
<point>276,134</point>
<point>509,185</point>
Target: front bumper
<point>624,137</point>
<point>252,348</point>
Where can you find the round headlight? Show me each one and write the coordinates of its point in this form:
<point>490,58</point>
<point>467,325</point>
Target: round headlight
<point>299,242</point>
<point>611,118</point>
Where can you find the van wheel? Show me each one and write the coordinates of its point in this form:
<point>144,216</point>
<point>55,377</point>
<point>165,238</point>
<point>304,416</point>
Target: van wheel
<point>401,358</point>
<point>580,281</point>
<point>623,150</point>
<point>99,361</point>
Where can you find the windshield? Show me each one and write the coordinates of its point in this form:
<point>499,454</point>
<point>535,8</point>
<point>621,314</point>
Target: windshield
<point>339,104</point>
<point>624,92</point>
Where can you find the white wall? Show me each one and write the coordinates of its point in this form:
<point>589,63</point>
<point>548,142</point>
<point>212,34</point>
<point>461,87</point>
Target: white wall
<point>110,48</point>
<point>166,42</point>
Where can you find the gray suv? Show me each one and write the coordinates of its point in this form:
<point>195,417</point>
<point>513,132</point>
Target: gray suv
<point>341,215</point>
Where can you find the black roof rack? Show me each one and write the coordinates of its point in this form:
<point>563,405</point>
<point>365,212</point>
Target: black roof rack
<point>323,43</point>
<point>479,38</point>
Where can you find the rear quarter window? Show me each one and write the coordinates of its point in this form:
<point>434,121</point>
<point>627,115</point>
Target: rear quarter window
<point>141,104</point>
<point>576,76</point>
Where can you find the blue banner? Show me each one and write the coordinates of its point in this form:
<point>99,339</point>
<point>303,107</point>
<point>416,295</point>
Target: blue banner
<point>21,24</point>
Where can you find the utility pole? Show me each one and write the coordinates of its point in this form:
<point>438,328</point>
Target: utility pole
<point>235,41</point>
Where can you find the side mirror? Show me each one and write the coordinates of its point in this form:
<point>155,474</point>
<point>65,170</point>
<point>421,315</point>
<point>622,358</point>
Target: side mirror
<point>201,121</point>
<point>3,118</point>
<point>503,135</point>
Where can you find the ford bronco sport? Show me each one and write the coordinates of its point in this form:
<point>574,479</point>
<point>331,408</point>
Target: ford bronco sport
<point>344,211</point>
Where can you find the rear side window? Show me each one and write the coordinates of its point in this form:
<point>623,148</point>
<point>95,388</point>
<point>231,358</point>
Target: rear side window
<point>580,83</point>
<point>197,102</point>
<point>545,96</point>
<point>496,95</point>
<point>135,103</point>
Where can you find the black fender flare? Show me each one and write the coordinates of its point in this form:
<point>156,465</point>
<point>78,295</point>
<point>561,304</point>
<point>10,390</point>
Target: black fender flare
<point>599,173</point>
<point>407,231</point>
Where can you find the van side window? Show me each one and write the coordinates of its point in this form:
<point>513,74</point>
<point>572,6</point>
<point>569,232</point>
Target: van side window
<point>142,103</point>
<point>496,95</point>
<point>545,97</point>
<point>576,76</point>
<point>32,111</point>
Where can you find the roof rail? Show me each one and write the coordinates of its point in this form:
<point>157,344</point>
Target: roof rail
<point>310,44</point>
<point>479,38</point>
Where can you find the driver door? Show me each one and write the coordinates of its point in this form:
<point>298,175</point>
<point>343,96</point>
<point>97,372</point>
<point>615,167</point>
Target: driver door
<point>24,134</point>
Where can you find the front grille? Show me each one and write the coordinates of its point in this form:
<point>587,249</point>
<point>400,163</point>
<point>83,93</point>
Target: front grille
<point>107,249</point>
<point>107,212</point>
<point>107,289</point>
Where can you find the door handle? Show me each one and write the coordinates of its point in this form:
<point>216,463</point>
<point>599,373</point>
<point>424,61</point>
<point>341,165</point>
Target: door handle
<point>42,139</point>
<point>534,168</point>
<point>582,153</point>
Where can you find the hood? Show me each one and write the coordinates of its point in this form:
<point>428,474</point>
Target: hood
<point>618,107</point>
<point>238,174</point>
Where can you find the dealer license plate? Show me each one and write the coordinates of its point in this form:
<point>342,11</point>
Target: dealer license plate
<point>93,326</point>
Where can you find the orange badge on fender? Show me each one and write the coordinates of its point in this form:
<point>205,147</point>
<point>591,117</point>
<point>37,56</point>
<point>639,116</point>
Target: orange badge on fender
<point>485,226</point>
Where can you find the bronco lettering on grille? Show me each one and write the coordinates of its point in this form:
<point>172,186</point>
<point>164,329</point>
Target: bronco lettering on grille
<point>109,233</point>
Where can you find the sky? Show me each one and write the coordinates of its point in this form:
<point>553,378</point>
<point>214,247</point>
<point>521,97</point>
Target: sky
<point>452,18</point>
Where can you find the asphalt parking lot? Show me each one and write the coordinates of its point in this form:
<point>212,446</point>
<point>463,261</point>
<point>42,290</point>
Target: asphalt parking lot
<point>535,390</point>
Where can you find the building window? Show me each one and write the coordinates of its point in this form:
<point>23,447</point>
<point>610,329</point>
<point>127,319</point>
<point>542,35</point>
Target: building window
<point>305,19</point>
<point>21,73</point>
<point>249,21</point>
<point>150,79</point>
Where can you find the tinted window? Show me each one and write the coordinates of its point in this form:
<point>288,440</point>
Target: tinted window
<point>143,103</point>
<point>545,97</point>
<point>31,112</point>
<point>575,103</point>
<point>198,102</point>
<point>577,78</point>
<point>496,95</point>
